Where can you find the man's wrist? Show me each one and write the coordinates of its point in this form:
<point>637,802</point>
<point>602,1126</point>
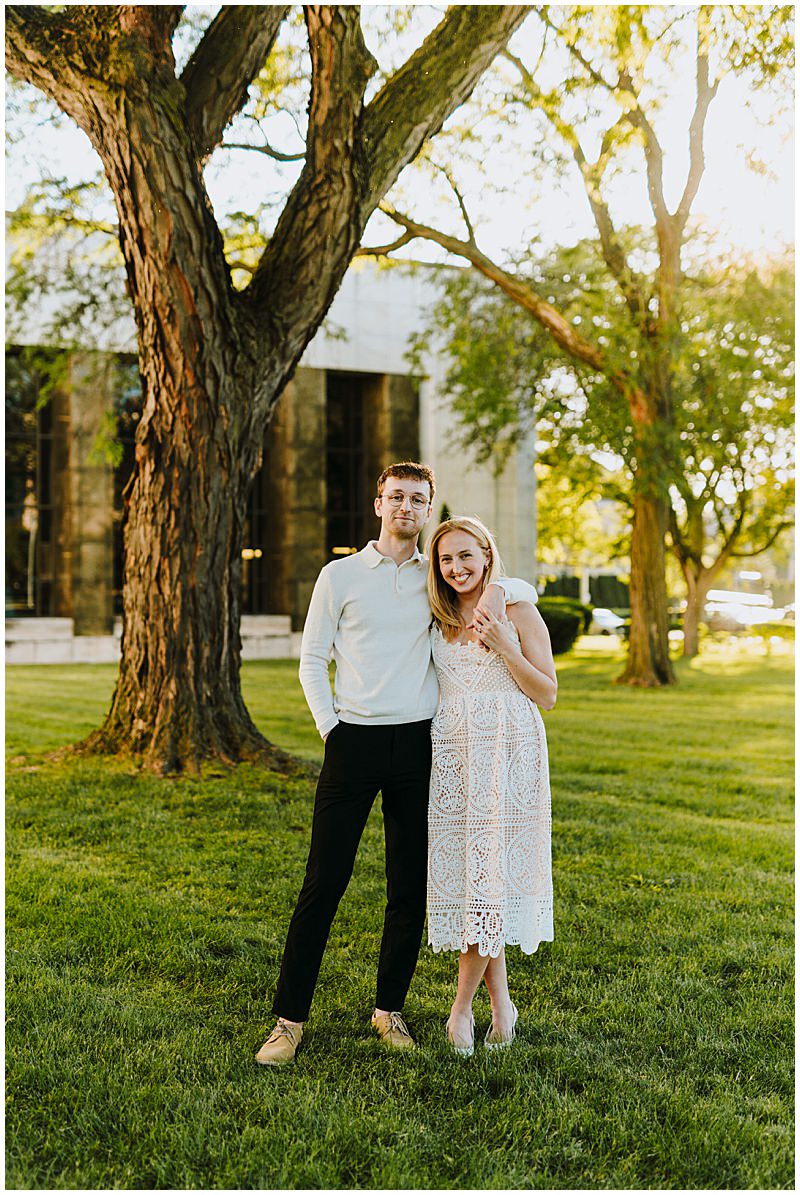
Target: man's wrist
<point>327,726</point>
<point>487,602</point>
<point>499,585</point>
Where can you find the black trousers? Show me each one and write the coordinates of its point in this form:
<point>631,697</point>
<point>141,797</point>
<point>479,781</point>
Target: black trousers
<point>359,762</point>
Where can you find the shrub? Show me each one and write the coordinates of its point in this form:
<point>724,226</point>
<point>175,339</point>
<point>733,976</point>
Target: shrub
<point>570,603</point>
<point>565,620</point>
<point>587,615</point>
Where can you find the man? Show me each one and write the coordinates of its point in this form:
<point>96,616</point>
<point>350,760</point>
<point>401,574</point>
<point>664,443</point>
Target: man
<point>370,612</point>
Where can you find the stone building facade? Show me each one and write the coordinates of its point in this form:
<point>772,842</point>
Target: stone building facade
<point>352,407</point>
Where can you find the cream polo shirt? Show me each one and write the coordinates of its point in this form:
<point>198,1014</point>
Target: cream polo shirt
<point>372,617</point>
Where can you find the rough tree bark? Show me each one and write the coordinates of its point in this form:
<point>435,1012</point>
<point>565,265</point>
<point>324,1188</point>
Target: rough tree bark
<point>687,546</point>
<point>696,595</point>
<point>214,361</point>
<point>648,663</point>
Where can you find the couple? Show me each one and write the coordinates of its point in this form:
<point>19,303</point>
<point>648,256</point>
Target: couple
<point>487,793</point>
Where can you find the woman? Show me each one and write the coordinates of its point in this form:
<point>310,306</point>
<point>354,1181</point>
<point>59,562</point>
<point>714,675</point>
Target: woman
<point>489,878</point>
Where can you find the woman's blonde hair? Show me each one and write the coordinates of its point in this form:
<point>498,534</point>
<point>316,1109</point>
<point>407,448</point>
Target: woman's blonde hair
<point>443,599</point>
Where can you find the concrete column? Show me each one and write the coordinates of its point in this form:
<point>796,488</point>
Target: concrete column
<point>77,482</point>
<point>505,502</point>
<point>585,591</point>
<point>403,404</point>
<point>377,444</point>
<point>91,401</point>
<point>56,538</point>
<point>391,421</point>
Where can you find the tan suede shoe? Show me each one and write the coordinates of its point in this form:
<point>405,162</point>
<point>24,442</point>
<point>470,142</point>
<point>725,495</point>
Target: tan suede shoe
<point>392,1030</point>
<point>281,1045</point>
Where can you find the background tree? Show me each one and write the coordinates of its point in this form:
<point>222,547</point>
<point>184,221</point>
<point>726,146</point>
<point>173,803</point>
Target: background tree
<point>214,359</point>
<point>603,111</point>
<point>729,483</point>
<point>582,513</point>
<point>734,495</point>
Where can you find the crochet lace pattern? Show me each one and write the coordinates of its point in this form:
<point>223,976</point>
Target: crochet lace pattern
<point>489,869</point>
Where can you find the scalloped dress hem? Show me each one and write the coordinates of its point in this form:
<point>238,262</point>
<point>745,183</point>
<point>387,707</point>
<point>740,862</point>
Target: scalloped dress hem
<point>489,952</point>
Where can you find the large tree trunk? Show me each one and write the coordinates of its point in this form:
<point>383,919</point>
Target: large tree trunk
<point>648,664</point>
<point>178,698</point>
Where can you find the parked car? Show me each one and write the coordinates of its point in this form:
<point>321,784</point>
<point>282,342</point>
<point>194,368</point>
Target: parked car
<point>605,622</point>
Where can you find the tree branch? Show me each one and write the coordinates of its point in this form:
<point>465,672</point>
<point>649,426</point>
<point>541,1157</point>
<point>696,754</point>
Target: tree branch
<point>785,526</point>
<point>353,154</point>
<point>610,136</point>
<point>319,229</point>
<point>705,94</point>
<point>167,16</point>
<point>384,250</point>
<point>719,507</point>
<point>414,104</point>
<point>74,55</point>
<point>264,149</point>
<point>559,327</point>
<point>548,316</point>
<point>730,536</point>
<point>591,71</point>
<point>716,567</point>
<point>153,24</point>
<point>680,547</point>
<point>630,284</point>
<point>654,157</point>
<point>216,78</point>
<point>45,222</point>
<point>50,51</point>
<point>459,200</point>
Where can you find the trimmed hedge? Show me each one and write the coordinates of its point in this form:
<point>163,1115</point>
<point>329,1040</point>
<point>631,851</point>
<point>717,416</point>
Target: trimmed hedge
<point>570,603</point>
<point>565,619</point>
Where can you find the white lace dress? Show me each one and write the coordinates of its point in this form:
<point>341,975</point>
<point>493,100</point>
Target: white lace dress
<point>489,873</point>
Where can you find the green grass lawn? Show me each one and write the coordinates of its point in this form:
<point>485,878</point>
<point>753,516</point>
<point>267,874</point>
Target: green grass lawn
<point>146,920</point>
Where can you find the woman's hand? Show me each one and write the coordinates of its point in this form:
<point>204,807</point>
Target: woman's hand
<point>496,634</point>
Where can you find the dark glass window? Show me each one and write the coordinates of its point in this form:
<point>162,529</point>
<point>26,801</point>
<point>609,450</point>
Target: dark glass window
<point>260,555</point>
<point>31,433</point>
<point>38,510</point>
<point>344,462</point>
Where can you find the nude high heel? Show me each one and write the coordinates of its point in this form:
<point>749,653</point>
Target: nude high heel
<point>466,1051</point>
<point>501,1043</point>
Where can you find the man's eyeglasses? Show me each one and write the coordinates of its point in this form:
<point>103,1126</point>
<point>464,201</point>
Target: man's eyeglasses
<point>416,501</point>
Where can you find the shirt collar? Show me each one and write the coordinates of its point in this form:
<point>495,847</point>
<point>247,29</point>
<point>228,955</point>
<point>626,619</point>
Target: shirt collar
<point>373,557</point>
